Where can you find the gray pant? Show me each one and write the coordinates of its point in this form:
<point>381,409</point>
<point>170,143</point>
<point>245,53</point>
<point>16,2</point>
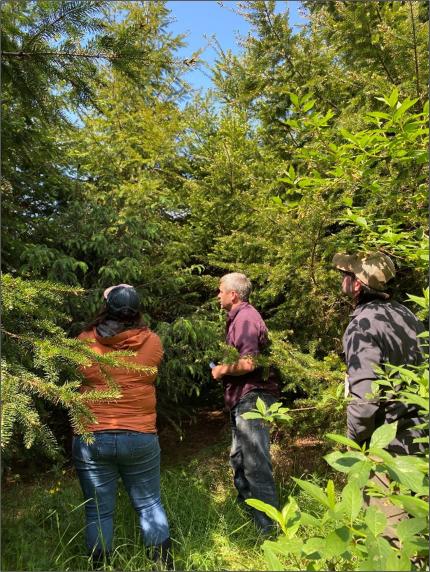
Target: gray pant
<point>250,456</point>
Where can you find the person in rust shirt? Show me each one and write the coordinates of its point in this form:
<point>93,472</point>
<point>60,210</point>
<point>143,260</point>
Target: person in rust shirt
<point>124,430</point>
<point>243,383</point>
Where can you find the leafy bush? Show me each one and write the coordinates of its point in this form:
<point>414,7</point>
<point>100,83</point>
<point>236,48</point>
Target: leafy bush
<point>348,533</point>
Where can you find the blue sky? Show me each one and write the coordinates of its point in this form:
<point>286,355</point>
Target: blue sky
<point>202,19</point>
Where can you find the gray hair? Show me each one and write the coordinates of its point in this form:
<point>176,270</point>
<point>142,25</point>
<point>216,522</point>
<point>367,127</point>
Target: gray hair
<point>239,283</point>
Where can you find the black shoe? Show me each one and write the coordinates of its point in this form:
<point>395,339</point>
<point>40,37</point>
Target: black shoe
<point>265,525</point>
<point>161,555</point>
<point>99,559</point>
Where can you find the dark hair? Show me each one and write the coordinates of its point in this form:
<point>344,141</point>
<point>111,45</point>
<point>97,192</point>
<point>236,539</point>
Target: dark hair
<point>130,322</point>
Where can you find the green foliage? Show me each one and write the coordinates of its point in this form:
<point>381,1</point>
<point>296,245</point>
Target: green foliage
<point>348,530</point>
<point>40,365</point>
<point>189,345</point>
<point>310,143</point>
<point>273,413</point>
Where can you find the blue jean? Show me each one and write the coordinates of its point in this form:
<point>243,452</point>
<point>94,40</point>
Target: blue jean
<point>250,456</point>
<point>133,456</point>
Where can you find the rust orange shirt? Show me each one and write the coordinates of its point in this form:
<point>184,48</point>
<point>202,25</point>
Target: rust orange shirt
<point>135,409</point>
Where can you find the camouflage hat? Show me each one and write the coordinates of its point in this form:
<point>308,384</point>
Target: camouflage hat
<point>373,269</point>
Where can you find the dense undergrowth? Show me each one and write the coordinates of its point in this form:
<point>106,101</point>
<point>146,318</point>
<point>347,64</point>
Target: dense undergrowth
<point>209,530</point>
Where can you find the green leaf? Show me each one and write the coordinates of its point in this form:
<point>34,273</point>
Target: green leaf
<point>416,545</point>
<point>383,435</point>
<point>395,561</point>
<point>414,399</point>
<point>378,550</point>
<point>277,200</point>
<point>376,520</point>
<point>251,415</point>
<point>406,471</point>
<point>360,221</point>
<point>355,139</point>
<point>291,518</point>
<point>294,98</point>
<point>331,494</point>
<point>394,97</point>
<point>308,105</point>
<point>261,406</point>
<point>310,520</point>
<point>360,472</point>
<point>410,527</point>
<point>314,547</point>
<point>305,182</point>
<point>420,300</point>
<point>343,440</point>
<point>379,114</point>
<point>344,462</point>
<point>352,500</point>
<point>413,505</point>
<point>314,491</point>
<point>292,172</point>
<point>337,542</point>
<point>273,562</point>
<point>268,509</point>
<point>401,110</point>
<point>379,455</point>
<point>284,546</point>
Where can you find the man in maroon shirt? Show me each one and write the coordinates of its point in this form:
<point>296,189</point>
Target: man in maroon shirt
<point>243,383</point>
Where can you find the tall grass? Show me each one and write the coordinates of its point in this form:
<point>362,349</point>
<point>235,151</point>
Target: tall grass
<point>43,523</point>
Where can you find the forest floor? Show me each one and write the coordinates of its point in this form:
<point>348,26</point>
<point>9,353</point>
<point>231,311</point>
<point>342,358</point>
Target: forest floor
<point>291,456</point>
<point>43,518</point>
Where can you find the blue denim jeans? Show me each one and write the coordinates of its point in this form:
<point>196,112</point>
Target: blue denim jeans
<point>133,456</point>
<point>250,456</point>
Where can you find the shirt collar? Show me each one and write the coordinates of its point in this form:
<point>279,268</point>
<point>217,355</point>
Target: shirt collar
<point>357,311</point>
<point>233,313</point>
<point>361,307</point>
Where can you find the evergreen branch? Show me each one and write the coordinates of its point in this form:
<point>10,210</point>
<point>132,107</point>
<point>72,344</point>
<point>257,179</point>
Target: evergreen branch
<point>67,10</point>
<point>16,336</point>
<point>289,59</point>
<point>22,54</point>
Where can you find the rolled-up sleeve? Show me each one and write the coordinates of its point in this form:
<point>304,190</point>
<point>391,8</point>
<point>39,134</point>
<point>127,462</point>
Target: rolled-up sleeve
<point>362,354</point>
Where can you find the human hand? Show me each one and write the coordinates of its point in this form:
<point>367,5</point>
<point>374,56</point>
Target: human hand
<point>217,372</point>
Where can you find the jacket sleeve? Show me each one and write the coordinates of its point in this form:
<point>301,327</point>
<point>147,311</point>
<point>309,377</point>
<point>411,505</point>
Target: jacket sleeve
<point>362,354</point>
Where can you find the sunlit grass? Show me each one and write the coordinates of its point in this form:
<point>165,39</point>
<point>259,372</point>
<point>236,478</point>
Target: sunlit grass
<point>43,524</point>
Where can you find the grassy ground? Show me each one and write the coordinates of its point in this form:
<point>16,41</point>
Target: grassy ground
<point>43,522</point>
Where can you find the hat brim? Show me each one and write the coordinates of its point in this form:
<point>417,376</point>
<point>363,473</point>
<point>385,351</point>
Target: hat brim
<point>345,262</point>
<point>108,290</point>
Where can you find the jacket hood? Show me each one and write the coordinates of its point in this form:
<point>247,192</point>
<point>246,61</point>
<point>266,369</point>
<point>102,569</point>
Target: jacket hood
<point>126,340</point>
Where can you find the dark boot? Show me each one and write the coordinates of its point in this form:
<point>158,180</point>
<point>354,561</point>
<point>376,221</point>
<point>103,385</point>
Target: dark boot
<point>161,555</point>
<point>265,525</point>
<point>99,559</point>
